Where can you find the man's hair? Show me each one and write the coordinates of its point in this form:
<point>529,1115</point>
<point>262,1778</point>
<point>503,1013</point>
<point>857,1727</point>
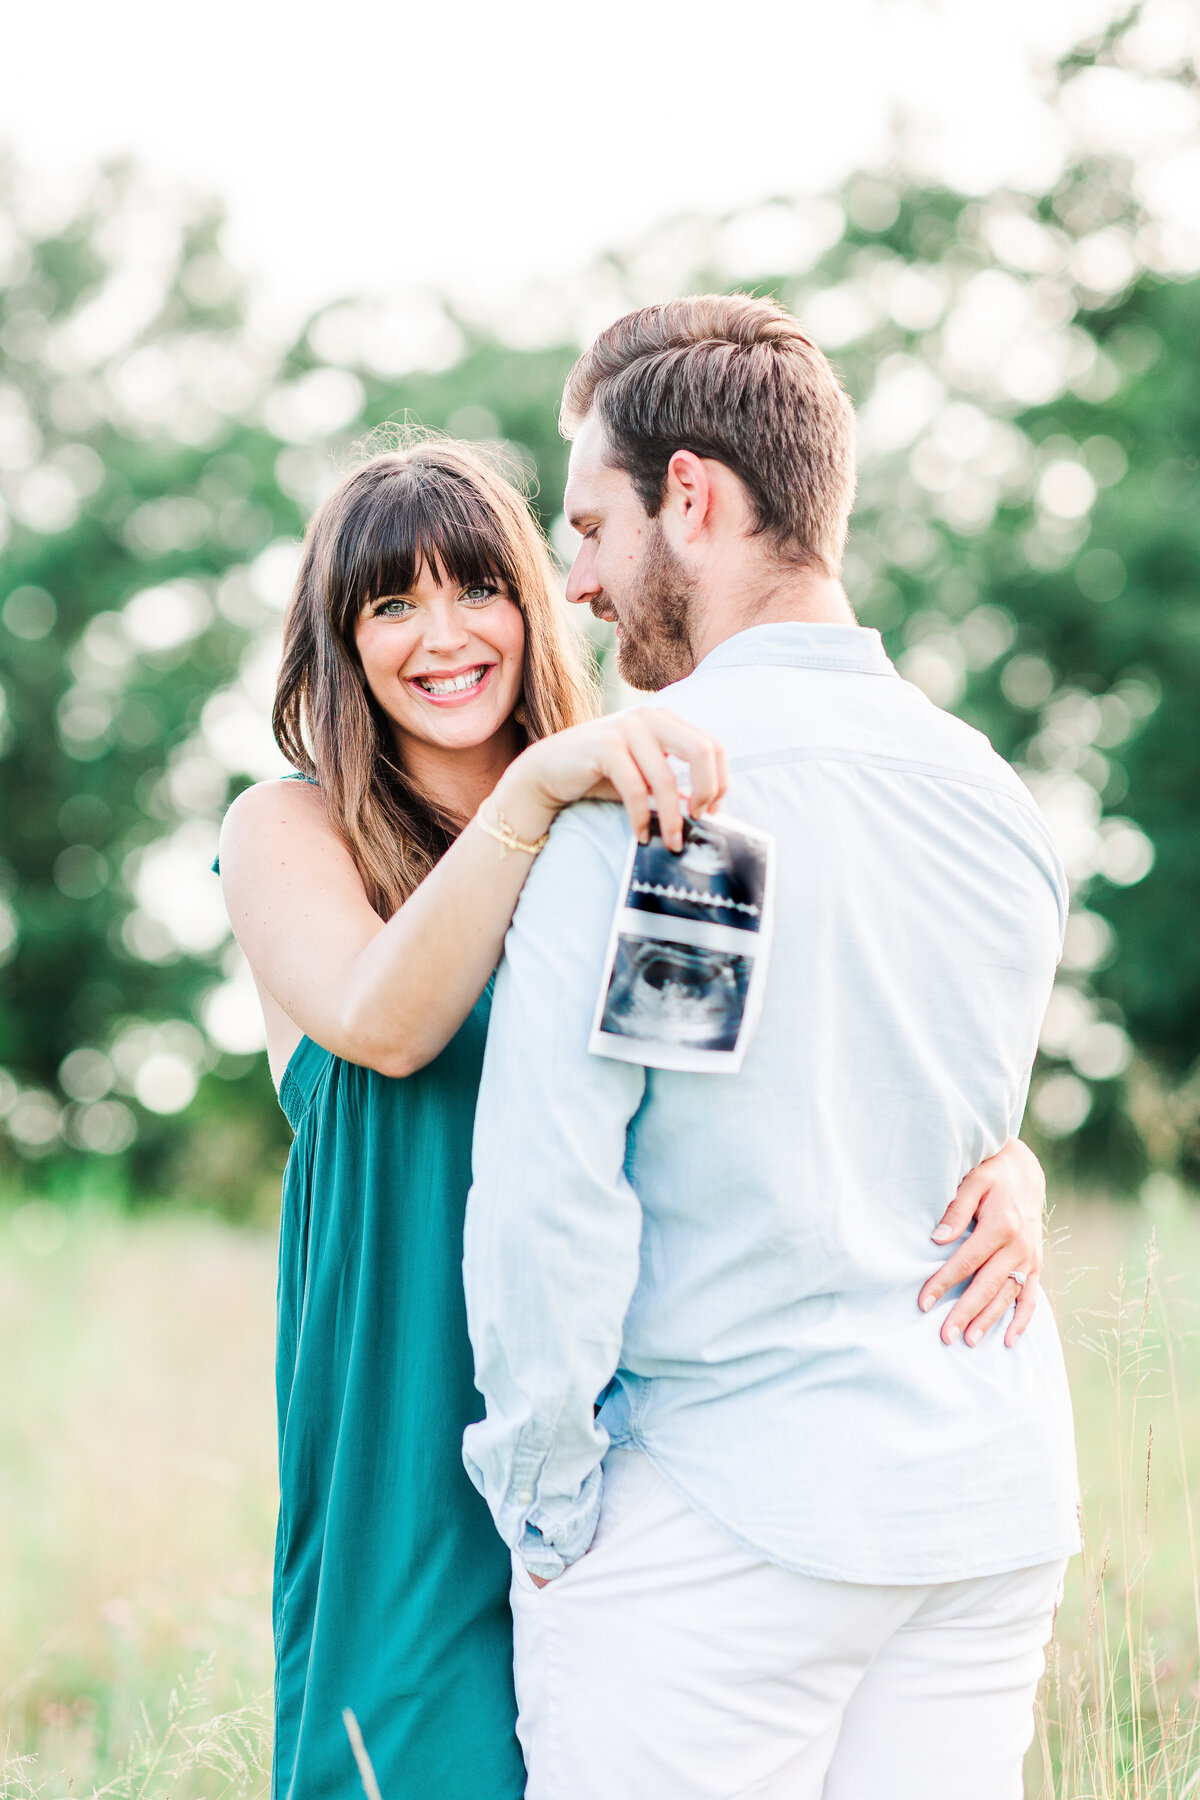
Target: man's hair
<point>731,377</point>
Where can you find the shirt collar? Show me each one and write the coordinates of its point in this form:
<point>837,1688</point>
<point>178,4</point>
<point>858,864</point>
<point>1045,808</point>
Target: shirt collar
<point>849,649</point>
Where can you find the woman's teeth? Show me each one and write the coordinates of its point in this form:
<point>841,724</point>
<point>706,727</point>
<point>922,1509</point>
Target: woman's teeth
<point>459,685</point>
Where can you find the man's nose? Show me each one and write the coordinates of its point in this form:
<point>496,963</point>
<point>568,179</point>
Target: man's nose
<point>581,582</point>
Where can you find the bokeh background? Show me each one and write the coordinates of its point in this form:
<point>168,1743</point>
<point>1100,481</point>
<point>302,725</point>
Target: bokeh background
<point>225,261</point>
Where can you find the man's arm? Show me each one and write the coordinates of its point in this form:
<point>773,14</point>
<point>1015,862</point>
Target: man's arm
<point>553,1226</point>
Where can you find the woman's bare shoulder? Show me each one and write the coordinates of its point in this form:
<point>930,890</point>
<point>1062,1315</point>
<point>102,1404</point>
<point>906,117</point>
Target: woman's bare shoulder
<point>281,797</point>
<point>273,817</point>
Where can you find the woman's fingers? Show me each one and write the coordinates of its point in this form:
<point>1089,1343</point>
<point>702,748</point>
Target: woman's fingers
<point>963,1207</point>
<point>1003,1197</point>
<point>989,1244</point>
<point>627,754</point>
<point>1026,1298</point>
<point>646,738</point>
<point>707,762</point>
<point>991,1315</point>
<point>622,772</point>
<point>969,1257</point>
<point>709,772</point>
<point>991,1283</point>
<point>1026,1306</point>
<point>644,746</point>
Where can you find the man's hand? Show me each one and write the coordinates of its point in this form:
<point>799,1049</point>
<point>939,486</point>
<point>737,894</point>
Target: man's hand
<point>1006,1197</point>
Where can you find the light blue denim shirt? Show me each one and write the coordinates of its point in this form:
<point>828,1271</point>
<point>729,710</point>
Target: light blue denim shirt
<point>731,1263</point>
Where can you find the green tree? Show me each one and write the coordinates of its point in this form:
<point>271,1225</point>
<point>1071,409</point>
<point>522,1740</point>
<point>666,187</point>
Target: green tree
<point>134,476</point>
<point>1025,538</point>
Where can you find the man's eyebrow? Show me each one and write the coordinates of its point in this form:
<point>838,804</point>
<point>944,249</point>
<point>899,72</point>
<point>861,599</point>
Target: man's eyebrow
<point>577,516</point>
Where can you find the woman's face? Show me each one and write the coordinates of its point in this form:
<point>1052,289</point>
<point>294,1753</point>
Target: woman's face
<point>445,662</point>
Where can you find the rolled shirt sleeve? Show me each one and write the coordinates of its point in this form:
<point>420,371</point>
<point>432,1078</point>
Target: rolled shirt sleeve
<point>553,1226</point>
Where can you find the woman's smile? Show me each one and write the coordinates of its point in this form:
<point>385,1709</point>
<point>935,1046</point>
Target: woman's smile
<point>453,687</point>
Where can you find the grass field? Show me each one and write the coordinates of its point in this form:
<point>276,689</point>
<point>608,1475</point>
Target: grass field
<point>137,1507</point>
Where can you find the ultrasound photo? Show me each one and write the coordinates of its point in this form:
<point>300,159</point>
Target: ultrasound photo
<point>676,994</point>
<point>720,876</point>
<point>688,950</point>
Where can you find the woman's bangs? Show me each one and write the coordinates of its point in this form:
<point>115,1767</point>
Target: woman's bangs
<point>438,525</point>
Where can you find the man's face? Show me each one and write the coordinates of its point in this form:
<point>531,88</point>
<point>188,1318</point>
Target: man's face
<point>625,570</point>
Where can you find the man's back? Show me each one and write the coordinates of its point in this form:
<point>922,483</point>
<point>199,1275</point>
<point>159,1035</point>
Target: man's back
<point>774,1363</point>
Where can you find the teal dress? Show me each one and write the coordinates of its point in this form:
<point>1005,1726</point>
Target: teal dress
<point>391,1584</point>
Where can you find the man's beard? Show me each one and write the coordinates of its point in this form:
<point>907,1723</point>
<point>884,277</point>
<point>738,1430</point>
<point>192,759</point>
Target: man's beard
<point>655,645</point>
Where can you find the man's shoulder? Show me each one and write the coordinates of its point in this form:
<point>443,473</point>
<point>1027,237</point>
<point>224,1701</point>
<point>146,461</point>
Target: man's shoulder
<point>943,739</point>
<point>890,723</point>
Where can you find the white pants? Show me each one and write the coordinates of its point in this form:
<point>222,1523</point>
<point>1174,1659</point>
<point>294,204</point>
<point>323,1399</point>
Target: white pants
<point>672,1664</point>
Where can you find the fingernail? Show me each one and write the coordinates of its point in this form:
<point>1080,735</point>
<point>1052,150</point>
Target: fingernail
<point>925,1302</point>
<point>950,1334</point>
<point>940,1233</point>
<point>972,1338</point>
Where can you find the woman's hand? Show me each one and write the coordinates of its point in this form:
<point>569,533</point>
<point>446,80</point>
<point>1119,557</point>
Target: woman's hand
<point>1006,1197</point>
<point>621,757</point>
<point>390,996</point>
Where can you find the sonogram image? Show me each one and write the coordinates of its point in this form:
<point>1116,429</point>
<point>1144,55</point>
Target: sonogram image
<point>719,877</point>
<point>676,994</point>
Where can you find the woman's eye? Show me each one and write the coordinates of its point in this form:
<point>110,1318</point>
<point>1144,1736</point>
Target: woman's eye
<point>393,609</point>
<point>480,592</point>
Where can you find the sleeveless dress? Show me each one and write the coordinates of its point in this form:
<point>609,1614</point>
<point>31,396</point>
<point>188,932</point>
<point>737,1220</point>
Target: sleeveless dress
<point>391,1584</point>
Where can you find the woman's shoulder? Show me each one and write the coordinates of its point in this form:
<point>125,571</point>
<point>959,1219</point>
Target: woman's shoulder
<point>281,796</point>
<point>286,806</point>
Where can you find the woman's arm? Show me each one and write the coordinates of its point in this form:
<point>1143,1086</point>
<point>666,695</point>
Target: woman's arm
<point>391,995</point>
<point>1005,1196</point>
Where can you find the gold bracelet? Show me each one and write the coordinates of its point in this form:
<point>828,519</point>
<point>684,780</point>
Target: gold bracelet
<point>504,834</point>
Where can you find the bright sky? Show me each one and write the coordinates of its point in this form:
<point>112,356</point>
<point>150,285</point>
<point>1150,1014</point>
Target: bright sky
<point>375,145</point>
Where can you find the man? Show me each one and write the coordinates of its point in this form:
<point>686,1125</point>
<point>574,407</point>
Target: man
<point>822,1554</point>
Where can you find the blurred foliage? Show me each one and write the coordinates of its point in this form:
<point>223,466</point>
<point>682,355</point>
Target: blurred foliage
<point>1026,538</point>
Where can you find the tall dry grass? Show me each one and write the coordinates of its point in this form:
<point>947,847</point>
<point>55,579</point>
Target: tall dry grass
<point>137,1496</point>
<point>1119,1712</point>
<point>194,1751</point>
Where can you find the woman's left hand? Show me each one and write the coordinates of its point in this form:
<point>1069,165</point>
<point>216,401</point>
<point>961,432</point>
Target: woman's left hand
<point>1006,1197</point>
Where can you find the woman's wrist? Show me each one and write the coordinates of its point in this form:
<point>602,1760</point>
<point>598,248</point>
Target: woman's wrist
<point>519,799</point>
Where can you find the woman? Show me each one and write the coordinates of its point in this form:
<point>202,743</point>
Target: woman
<point>431,700</point>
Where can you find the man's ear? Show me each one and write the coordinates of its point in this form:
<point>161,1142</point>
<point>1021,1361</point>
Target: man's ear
<point>687,495</point>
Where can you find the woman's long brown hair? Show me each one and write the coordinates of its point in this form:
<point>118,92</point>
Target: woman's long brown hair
<point>437,505</point>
